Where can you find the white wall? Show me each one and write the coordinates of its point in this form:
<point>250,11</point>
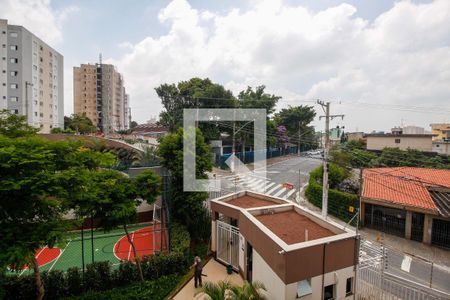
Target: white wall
<point>263,272</point>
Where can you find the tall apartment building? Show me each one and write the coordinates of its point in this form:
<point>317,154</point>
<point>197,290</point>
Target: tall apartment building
<point>99,92</point>
<point>31,78</point>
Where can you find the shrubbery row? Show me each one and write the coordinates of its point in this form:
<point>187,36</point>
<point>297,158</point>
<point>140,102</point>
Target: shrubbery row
<point>338,202</point>
<point>98,276</point>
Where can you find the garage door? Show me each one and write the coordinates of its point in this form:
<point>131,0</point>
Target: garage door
<point>440,235</point>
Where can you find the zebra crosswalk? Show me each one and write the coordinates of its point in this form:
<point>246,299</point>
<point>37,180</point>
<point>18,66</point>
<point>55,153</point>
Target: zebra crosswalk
<point>258,184</point>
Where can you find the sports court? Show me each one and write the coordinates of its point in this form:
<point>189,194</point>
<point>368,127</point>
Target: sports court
<point>110,246</point>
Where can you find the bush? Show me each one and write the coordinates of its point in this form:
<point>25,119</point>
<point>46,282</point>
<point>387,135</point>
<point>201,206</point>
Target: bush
<point>180,239</point>
<point>126,273</point>
<point>336,175</point>
<point>56,130</point>
<point>22,287</point>
<point>54,283</point>
<point>338,202</point>
<point>74,281</point>
<point>98,276</point>
<point>157,289</point>
<point>158,265</point>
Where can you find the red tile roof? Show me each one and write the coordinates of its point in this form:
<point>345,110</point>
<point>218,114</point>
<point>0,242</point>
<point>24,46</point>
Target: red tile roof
<point>404,185</point>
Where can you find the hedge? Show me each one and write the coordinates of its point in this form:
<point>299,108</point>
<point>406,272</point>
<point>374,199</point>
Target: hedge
<point>155,289</point>
<point>338,202</point>
<point>98,276</point>
<point>180,240</point>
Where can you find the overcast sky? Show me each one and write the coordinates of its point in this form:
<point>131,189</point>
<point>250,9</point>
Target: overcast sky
<point>381,63</point>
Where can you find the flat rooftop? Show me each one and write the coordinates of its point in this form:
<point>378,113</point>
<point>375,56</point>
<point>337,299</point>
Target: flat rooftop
<point>291,227</point>
<point>250,202</point>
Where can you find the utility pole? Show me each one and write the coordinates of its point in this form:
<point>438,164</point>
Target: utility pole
<point>326,108</point>
<point>299,129</point>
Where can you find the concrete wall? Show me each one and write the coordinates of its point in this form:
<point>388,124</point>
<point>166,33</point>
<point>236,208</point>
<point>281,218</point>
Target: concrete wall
<point>421,143</point>
<point>441,148</point>
<point>3,64</point>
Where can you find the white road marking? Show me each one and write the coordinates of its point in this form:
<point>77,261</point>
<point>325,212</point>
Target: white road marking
<point>290,193</point>
<point>274,189</point>
<point>406,263</point>
<point>280,192</point>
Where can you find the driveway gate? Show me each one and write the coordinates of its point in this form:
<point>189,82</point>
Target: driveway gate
<point>228,244</point>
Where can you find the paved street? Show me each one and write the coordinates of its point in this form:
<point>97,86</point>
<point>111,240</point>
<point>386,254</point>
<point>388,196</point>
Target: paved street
<point>276,175</point>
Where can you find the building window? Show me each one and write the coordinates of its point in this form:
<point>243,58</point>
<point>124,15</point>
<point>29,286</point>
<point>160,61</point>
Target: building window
<point>40,48</point>
<point>14,86</point>
<point>41,70</point>
<point>4,32</point>
<point>14,99</point>
<point>437,146</point>
<point>41,103</point>
<point>397,141</point>
<point>4,58</point>
<point>14,47</point>
<point>349,286</point>
<point>15,111</point>
<point>41,115</point>
<point>304,288</point>
<point>4,45</point>
<point>328,292</point>
<point>13,34</point>
<point>14,60</point>
<point>35,113</point>
<point>14,73</point>
<point>4,84</point>
<point>40,59</point>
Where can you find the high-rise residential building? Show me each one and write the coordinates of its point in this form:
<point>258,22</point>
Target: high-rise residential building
<point>31,78</point>
<point>99,92</point>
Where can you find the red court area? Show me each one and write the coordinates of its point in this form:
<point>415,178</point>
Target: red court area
<point>145,240</point>
<point>46,255</point>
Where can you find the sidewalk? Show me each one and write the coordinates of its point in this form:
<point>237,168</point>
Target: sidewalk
<point>215,272</point>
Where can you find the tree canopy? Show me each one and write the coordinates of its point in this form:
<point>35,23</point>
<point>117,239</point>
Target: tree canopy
<point>187,207</point>
<point>295,117</point>
<point>79,123</point>
<point>12,125</point>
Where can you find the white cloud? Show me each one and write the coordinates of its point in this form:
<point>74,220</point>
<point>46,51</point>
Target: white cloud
<point>37,16</point>
<point>403,57</point>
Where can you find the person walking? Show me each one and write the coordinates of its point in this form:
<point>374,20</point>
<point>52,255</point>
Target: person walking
<point>198,271</point>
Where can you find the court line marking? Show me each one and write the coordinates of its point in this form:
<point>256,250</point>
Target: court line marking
<point>37,255</point>
<point>60,254</point>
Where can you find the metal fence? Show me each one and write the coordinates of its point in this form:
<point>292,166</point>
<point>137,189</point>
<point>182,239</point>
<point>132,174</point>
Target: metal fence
<point>249,156</point>
<point>379,278</point>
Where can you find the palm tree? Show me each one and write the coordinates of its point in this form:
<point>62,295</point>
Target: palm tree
<point>214,291</point>
<point>249,291</point>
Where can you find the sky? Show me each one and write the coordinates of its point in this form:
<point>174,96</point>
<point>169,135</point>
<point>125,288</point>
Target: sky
<point>380,63</point>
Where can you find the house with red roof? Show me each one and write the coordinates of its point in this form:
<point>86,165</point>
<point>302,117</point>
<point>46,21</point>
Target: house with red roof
<point>409,202</point>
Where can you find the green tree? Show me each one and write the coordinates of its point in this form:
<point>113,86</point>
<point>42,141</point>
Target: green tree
<point>79,123</point>
<point>147,157</point>
<point>295,117</point>
<point>36,190</point>
<point>254,98</point>
<point>133,124</point>
<point>114,198</point>
<point>187,207</point>
<point>194,93</point>
<point>12,125</point>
